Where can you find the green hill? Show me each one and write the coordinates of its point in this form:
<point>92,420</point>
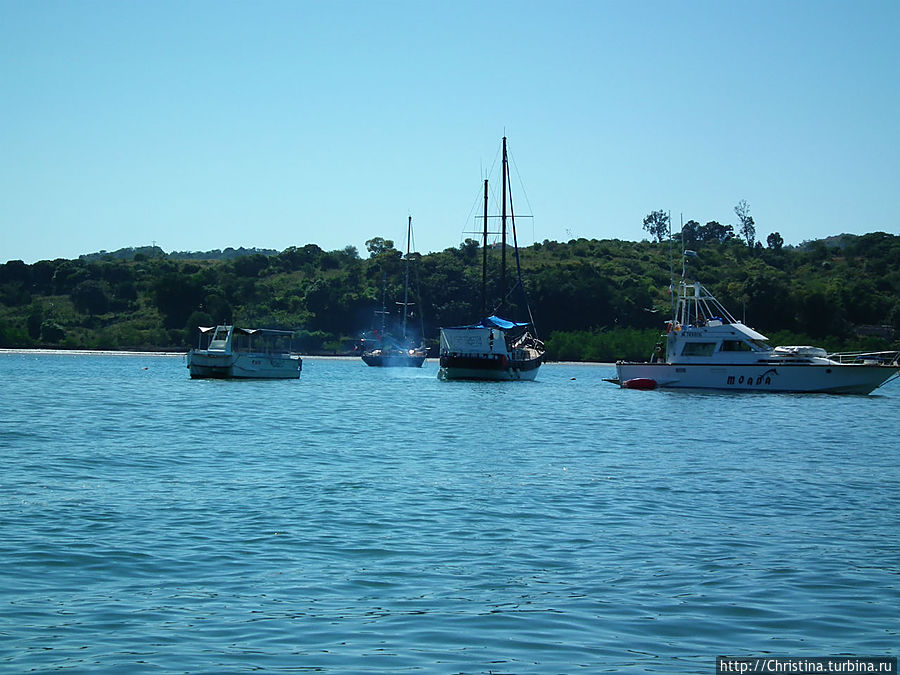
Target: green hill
<point>591,299</point>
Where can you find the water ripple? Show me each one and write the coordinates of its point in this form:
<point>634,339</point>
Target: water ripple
<point>373,521</point>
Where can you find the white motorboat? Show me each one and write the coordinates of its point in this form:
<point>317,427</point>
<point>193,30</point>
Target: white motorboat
<point>494,348</point>
<point>706,348</point>
<point>244,353</point>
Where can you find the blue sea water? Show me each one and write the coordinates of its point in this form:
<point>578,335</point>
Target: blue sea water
<point>365,520</point>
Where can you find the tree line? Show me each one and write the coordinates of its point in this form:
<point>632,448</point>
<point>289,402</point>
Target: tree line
<point>659,225</point>
<point>590,299</point>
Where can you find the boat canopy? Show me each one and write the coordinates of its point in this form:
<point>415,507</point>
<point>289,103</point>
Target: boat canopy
<point>493,322</point>
<point>247,331</point>
<point>748,332</point>
<point>262,331</point>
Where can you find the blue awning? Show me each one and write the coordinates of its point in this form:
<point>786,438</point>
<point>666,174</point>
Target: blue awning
<point>495,322</point>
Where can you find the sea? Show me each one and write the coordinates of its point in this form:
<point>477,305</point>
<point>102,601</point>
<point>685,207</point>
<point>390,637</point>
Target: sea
<point>365,520</point>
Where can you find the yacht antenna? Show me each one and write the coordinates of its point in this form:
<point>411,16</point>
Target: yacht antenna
<point>672,264</point>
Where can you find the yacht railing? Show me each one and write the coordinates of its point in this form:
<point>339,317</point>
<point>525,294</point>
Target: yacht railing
<point>869,358</point>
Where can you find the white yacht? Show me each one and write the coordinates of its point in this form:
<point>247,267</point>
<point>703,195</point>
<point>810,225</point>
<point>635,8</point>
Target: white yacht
<point>244,353</point>
<point>706,348</point>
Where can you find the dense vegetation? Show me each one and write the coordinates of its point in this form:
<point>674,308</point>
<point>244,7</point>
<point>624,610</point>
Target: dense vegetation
<point>591,300</point>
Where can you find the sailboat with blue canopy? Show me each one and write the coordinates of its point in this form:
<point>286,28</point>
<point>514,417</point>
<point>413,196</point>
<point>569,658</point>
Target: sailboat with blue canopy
<point>494,348</point>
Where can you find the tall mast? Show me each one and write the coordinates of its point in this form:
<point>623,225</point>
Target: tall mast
<point>383,306</point>
<point>503,228</point>
<point>484,254</point>
<point>406,281</point>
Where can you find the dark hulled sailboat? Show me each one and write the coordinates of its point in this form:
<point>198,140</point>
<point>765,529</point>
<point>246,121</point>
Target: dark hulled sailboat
<point>394,351</point>
<point>494,348</point>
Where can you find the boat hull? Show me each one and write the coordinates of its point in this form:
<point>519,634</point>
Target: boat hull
<point>394,360</point>
<point>773,377</point>
<point>202,365</point>
<point>491,369</point>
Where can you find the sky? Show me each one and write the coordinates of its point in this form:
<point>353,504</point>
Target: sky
<point>211,124</point>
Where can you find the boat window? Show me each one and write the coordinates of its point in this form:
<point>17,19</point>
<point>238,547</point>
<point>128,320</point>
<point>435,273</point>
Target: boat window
<point>698,349</point>
<point>735,346</point>
<point>761,345</point>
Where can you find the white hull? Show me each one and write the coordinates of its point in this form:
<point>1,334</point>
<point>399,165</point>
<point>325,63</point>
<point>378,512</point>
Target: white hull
<point>242,366</point>
<point>833,378</point>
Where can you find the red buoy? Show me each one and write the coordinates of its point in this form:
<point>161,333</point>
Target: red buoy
<point>639,383</point>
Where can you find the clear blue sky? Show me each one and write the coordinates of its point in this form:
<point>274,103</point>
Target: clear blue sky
<point>201,125</point>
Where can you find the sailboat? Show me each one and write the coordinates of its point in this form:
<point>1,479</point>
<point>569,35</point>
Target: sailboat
<point>494,348</point>
<point>389,351</point>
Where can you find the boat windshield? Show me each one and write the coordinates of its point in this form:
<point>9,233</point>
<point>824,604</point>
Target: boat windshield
<point>760,345</point>
<point>735,346</point>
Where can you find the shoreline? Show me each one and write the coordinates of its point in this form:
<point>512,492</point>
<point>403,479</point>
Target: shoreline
<point>316,357</point>
<point>87,352</point>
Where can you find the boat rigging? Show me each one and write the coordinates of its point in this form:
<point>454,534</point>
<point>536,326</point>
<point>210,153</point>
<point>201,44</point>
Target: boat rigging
<point>494,348</point>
